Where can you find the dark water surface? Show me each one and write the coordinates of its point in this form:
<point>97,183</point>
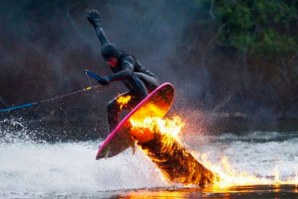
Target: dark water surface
<point>264,191</point>
<point>256,191</point>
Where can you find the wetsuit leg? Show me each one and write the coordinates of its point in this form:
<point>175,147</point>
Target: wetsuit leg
<point>114,109</point>
<point>138,87</point>
<point>150,82</point>
<point>113,114</point>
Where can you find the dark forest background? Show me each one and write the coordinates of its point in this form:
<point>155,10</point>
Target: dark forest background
<point>229,59</point>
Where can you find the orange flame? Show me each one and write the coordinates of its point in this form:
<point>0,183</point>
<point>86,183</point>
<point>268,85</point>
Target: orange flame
<point>231,177</point>
<point>123,100</point>
<point>160,140</point>
<point>146,128</point>
<point>169,127</point>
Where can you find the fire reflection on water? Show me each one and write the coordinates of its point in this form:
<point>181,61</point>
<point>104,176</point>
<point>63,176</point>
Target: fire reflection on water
<point>253,191</point>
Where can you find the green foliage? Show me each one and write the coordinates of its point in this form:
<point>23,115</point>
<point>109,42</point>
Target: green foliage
<point>263,28</point>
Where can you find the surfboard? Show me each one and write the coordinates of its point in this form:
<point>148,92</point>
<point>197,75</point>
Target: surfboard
<point>157,103</point>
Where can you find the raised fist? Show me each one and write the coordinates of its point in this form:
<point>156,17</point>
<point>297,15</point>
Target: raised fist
<point>94,17</point>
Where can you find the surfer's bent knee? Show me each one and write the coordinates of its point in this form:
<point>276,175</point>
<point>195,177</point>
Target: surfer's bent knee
<point>112,107</point>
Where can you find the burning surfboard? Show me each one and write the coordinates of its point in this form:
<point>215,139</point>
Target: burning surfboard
<point>155,135</point>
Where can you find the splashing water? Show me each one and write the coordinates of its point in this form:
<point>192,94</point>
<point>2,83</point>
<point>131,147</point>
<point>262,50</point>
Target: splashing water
<point>29,166</point>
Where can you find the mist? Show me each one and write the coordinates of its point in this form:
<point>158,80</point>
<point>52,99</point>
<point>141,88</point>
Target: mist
<point>45,47</point>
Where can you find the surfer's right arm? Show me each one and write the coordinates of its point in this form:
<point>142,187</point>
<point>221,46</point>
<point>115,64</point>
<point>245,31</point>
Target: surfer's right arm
<point>94,19</point>
<point>125,73</point>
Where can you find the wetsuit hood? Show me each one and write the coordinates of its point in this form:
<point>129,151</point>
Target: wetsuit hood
<point>109,50</point>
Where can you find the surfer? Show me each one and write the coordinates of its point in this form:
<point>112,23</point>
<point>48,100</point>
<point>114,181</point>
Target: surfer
<point>137,79</point>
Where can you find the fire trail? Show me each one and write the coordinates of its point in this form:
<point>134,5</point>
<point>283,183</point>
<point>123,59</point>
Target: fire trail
<point>175,162</point>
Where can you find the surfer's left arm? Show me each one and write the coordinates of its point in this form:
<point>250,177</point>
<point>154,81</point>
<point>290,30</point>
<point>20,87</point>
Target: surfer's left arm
<point>94,19</point>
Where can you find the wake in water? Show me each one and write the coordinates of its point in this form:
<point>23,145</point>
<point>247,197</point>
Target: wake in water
<point>31,166</point>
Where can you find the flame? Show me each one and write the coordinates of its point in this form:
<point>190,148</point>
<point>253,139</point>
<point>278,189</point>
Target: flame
<point>149,119</point>
<point>123,100</point>
<point>169,127</point>
<point>160,139</point>
<point>228,176</point>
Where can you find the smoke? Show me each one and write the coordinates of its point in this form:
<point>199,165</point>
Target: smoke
<point>46,45</point>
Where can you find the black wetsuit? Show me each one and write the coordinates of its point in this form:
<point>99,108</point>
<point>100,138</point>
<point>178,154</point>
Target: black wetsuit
<point>138,80</point>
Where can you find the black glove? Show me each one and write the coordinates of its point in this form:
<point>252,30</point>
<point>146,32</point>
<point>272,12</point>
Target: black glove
<point>94,17</point>
<point>103,80</point>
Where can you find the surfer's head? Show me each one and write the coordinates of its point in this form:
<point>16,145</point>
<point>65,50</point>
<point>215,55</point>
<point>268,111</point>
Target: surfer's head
<point>111,54</point>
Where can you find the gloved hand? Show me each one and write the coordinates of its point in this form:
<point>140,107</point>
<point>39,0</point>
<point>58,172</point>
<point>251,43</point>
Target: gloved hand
<point>103,80</point>
<point>94,17</point>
